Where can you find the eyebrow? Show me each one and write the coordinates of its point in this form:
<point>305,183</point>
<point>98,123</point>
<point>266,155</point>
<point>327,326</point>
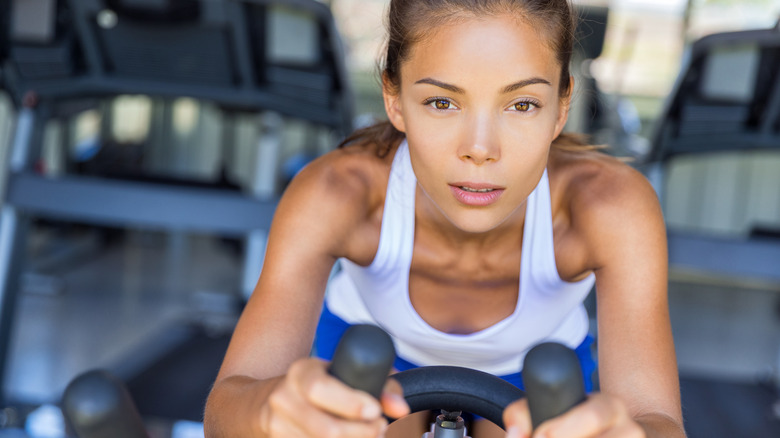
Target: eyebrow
<point>440,84</point>
<point>508,89</point>
<point>524,83</point>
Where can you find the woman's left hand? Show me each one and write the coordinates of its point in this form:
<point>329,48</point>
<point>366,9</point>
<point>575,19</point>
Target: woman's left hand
<point>601,415</point>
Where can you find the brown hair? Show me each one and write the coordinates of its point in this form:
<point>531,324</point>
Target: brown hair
<point>409,21</point>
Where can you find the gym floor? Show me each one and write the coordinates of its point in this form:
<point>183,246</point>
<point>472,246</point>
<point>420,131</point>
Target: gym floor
<point>157,309</point>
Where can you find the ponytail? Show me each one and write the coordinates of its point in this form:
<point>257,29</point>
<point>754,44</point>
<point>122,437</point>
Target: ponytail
<point>382,135</point>
<point>573,142</point>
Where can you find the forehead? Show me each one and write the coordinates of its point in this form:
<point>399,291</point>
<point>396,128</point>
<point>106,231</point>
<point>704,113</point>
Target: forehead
<point>499,44</point>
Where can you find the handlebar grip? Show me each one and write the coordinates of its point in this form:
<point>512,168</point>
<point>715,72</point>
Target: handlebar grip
<point>363,358</point>
<point>553,381</point>
<point>98,405</point>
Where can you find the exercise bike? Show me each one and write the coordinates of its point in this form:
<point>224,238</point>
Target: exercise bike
<point>97,405</point>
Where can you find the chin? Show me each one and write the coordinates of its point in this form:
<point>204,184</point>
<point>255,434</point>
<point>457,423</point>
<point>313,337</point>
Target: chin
<point>476,223</point>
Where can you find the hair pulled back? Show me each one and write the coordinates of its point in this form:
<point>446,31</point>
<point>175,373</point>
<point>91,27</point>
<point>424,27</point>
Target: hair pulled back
<point>410,21</point>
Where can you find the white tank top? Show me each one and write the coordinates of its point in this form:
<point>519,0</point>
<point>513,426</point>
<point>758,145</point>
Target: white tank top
<point>548,308</point>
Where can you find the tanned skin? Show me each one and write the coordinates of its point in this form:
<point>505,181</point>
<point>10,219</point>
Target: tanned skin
<point>479,103</point>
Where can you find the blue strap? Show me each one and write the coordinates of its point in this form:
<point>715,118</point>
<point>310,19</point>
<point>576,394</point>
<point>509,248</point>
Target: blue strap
<point>331,328</point>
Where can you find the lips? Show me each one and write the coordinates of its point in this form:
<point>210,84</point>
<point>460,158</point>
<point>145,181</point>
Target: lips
<point>476,194</point>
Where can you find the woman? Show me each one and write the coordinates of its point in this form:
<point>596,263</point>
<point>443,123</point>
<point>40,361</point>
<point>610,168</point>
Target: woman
<point>470,229</point>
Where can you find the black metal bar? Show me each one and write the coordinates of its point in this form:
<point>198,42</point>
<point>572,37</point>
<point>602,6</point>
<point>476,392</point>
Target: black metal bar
<point>249,100</point>
<point>240,38</point>
<point>13,237</point>
<point>771,116</point>
<point>92,56</point>
<point>14,226</point>
<point>138,204</point>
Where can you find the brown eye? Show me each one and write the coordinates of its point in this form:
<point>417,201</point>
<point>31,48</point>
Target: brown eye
<point>442,104</point>
<point>523,106</point>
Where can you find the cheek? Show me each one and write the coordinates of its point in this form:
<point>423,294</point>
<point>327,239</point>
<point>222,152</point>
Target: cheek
<point>525,141</point>
<point>430,145</point>
<point>428,160</point>
<point>424,124</point>
<point>528,142</point>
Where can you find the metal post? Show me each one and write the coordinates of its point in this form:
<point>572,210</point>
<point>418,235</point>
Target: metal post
<point>686,21</point>
<point>21,147</point>
<point>448,425</point>
<point>7,117</point>
<point>264,185</point>
<point>13,233</point>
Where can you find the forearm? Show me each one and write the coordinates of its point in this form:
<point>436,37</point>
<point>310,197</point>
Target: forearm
<point>233,407</point>
<point>660,426</point>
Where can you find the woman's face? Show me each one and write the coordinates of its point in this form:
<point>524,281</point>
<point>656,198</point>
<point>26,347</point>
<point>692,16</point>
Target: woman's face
<point>479,104</point>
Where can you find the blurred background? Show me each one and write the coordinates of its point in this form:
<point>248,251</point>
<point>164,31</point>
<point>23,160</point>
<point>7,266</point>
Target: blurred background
<point>144,144</point>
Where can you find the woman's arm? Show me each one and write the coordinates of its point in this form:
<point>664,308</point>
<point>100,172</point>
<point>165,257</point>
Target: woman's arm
<point>267,385</point>
<point>618,223</point>
<point>637,361</point>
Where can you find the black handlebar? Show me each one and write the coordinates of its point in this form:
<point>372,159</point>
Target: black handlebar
<point>551,374</point>
<point>553,381</point>
<point>458,389</point>
<point>364,358</point>
<point>98,405</point>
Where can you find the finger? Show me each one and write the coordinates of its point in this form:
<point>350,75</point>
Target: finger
<point>280,426</point>
<point>331,395</point>
<point>596,415</point>
<point>275,415</point>
<point>393,403</point>
<point>321,424</point>
<point>293,416</point>
<point>630,429</point>
<point>517,419</point>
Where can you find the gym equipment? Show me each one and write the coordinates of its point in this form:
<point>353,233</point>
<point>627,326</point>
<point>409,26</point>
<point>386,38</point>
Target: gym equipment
<point>715,161</point>
<point>726,99</point>
<point>551,374</point>
<point>97,405</point>
<point>271,57</point>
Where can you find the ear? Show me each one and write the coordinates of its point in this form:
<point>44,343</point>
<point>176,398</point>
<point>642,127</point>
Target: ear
<point>392,98</point>
<point>563,109</point>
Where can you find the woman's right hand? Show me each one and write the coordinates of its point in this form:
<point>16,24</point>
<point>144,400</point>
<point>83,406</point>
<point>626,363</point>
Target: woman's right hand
<point>309,402</point>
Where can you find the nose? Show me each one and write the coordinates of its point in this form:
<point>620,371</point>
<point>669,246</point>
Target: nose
<point>480,144</point>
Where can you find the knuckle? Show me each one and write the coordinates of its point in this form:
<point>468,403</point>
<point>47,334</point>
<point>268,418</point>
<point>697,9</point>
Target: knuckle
<point>276,401</point>
<point>296,368</point>
<point>593,417</point>
<point>263,424</point>
<point>276,427</point>
<point>314,385</point>
<point>517,412</point>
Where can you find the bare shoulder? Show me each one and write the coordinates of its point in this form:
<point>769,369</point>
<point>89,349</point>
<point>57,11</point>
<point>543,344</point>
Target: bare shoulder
<point>345,173</point>
<point>605,199</point>
<point>338,195</point>
<point>597,180</point>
